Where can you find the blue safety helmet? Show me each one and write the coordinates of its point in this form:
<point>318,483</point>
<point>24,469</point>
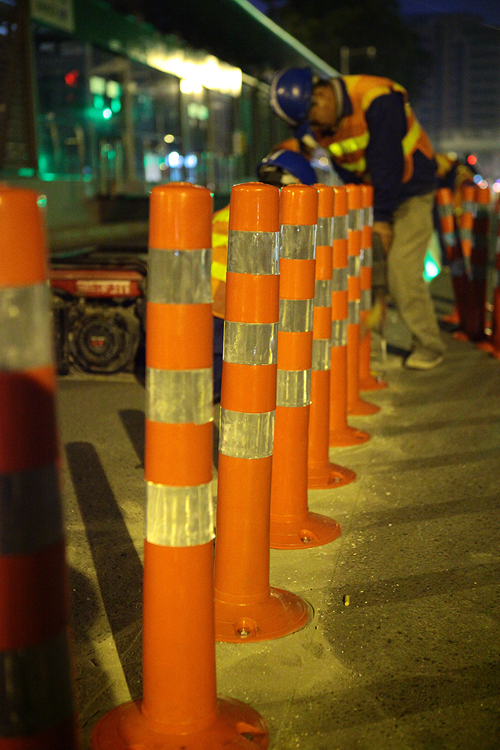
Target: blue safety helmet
<point>291,93</point>
<point>277,168</point>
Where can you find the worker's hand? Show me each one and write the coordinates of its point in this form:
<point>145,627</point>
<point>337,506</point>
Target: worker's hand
<point>384,230</point>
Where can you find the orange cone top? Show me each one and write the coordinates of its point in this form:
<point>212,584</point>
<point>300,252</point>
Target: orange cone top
<point>180,217</point>
<point>254,208</point>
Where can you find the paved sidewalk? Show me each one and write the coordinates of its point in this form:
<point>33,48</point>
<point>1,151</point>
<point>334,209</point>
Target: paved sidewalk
<point>413,662</point>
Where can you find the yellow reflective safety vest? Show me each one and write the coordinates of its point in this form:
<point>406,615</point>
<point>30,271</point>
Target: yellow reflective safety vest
<point>348,144</point>
<point>220,229</point>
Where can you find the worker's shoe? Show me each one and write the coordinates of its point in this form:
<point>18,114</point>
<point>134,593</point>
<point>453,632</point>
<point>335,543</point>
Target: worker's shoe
<point>423,359</point>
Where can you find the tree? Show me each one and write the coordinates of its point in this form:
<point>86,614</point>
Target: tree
<point>326,25</point>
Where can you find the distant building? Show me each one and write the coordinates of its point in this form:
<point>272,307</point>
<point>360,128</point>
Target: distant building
<point>460,105</point>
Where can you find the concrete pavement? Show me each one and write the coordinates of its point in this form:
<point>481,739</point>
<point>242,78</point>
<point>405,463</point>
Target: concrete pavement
<point>412,663</point>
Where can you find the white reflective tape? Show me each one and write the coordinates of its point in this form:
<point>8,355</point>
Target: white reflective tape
<point>179,277</point>
<point>446,210</point>
<point>323,293</point>
<point>368,216</point>
<point>355,219</point>
<point>245,435</point>
<point>30,511</point>
<point>366,299</point>
<point>320,355</point>
<point>296,315</point>
<point>466,234</point>
<point>298,241</point>
<point>179,396</point>
<point>366,257</point>
<point>293,388</point>
<point>497,279</point>
<point>179,516</point>
<point>353,316</point>
<point>26,338</point>
<point>339,280</point>
<point>324,236</point>
<point>35,688</point>
<point>340,227</point>
<point>250,343</point>
<point>449,238</point>
<point>354,266</point>
<point>339,333</point>
<point>256,253</point>
<point>468,207</point>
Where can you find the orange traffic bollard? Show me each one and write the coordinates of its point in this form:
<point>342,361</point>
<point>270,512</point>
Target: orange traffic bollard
<point>476,300</point>
<point>37,706</point>
<point>355,404</point>
<point>292,525</point>
<point>367,381</point>
<point>467,219</point>
<point>321,473</point>
<point>446,212</point>
<point>341,434</point>
<point>179,707</point>
<point>246,608</point>
<point>495,336</point>
<point>492,345</point>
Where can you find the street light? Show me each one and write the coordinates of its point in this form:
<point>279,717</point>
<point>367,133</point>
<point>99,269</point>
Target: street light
<point>347,52</point>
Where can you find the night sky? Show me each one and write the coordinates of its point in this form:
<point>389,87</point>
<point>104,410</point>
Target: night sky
<point>488,9</point>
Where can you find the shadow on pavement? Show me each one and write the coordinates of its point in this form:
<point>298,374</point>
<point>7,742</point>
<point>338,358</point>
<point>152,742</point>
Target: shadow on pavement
<point>117,565</point>
<point>133,421</point>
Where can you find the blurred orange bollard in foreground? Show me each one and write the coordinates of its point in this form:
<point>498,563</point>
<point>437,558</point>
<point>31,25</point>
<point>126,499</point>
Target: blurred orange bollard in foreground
<point>355,404</point>
<point>446,213</point>
<point>341,434</point>
<point>246,608</point>
<point>367,381</point>
<point>292,525</point>
<point>321,473</point>
<point>467,219</point>
<point>179,706</point>
<point>37,709</point>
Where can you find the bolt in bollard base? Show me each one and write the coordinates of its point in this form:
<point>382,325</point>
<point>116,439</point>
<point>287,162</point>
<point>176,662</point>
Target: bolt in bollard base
<point>347,436</point>
<point>374,382</point>
<point>329,476</point>
<point>126,728</point>
<point>282,613</point>
<point>299,532</point>
<point>360,407</point>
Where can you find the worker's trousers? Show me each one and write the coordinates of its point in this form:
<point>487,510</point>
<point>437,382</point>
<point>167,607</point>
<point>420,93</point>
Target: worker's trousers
<point>412,228</point>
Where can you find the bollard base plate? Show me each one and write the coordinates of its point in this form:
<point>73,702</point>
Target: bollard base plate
<point>236,726</point>
<point>329,476</point>
<point>372,383</point>
<point>360,407</point>
<point>299,532</point>
<point>282,613</point>
<point>347,436</point>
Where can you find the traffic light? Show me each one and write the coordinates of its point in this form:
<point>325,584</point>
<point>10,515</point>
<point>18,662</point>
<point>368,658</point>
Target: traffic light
<point>471,159</point>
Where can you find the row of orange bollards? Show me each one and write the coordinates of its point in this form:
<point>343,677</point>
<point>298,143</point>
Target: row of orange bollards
<point>293,294</point>
<point>466,241</point>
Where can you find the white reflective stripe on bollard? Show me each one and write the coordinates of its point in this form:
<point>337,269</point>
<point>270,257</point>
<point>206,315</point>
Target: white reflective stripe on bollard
<point>245,435</point>
<point>26,339</point>
<point>30,510</point>
<point>293,388</point>
<point>179,396</point>
<point>250,343</point>
<point>179,277</point>
<point>179,516</point>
